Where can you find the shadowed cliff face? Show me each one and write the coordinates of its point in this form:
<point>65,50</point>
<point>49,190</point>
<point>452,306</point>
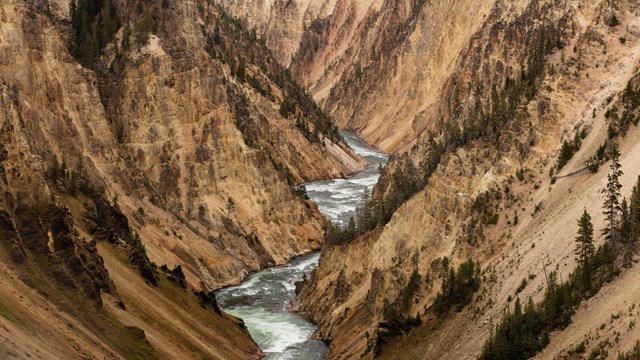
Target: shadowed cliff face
<point>281,24</point>
<point>184,124</point>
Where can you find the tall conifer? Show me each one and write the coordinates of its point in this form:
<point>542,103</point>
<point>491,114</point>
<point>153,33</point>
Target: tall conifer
<point>611,204</point>
<point>584,248</point>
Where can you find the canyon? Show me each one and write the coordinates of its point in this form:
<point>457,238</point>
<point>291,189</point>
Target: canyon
<point>154,152</point>
<point>418,74</point>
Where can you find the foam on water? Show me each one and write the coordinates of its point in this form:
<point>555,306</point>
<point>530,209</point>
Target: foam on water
<point>262,301</point>
<point>273,331</point>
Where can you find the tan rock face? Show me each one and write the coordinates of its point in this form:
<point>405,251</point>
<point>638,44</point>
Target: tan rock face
<point>201,137</point>
<point>377,66</point>
<point>280,23</point>
<point>173,134</point>
<point>395,66</point>
<point>173,140</point>
<point>579,77</point>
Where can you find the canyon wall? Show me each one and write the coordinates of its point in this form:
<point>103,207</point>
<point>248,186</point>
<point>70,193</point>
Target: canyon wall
<point>377,66</point>
<point>531,75</point>
<point>177,153</point>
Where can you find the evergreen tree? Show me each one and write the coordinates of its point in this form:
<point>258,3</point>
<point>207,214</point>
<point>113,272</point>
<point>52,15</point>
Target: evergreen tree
<point>625,233</point>
<point>457,287</point>
<point>142,29</point>
<point>73,183</point>
<point>566,152</point>
<point>611,204</point>
<point>625,222</point>
<point>55,170</point>
<point>109,22</point>
<point>74,14</point>
<point>231,207</point>
<point>634,213</point>
<point>241,73</point>
<point>584,248</point>
<point>351,229</point>
<point>365,213</point>
<point>94,24</point>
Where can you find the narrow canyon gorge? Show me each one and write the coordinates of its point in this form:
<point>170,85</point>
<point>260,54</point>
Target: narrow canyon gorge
<point>319,179</point>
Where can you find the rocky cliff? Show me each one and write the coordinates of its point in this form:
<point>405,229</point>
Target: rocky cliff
<point>168,135</point>
<point>285,25</point>
<point>522,78</point>
<point>376,66</point>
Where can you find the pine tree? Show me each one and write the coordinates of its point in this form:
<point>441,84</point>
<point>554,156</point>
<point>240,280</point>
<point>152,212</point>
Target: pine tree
<point>611,204</point>
<point>584,248</point>
<point>630,225</point>
<point>364,212</point>
<point>634,212</point>
<point>447,279</point>
<point>625,233</point>
<point>231,206</point>
<point>566,152</point>
<point>625,222</point>
<point>109,21</point>
<point>55,170</point>
<point>142,29</point>
<point>351,229</point>
<point>75,19</point>
<point>73,184</point>
<point>241,73</point>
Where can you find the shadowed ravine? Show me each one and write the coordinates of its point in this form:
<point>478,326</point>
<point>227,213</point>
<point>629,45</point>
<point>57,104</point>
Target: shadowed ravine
<point>263,299</point>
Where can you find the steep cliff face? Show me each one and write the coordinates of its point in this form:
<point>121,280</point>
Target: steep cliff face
<point>184,144</point>
<point>206,127</point>
<point>530,75</point>
<point>377,66</point>
<point>180,136</point>
<point>395,67</point>
<point>283,24</point>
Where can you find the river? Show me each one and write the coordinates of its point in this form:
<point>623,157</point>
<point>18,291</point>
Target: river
<point>262,301</point>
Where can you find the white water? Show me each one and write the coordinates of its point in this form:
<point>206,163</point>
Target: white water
<point>262,301</point>
<point>337,199</point>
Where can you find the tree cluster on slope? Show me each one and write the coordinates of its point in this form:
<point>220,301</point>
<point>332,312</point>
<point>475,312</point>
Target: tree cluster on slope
<point>396,317</point>
<point>569,148</point>
<point>457,287</point>
<point>376,210</point>
<point>251,62</point>
<point>522,333</point>
<point>618,125</point>
<point>94,24</point>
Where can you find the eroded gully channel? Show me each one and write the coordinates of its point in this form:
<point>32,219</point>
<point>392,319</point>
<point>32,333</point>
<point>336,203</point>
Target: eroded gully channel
<point>262,301</point>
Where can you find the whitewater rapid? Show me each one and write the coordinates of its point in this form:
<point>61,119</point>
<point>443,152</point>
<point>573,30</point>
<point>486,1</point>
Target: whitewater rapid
<point>262,301</point>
